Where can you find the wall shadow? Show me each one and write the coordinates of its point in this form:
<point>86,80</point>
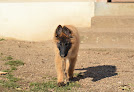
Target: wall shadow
<point>96,72</point>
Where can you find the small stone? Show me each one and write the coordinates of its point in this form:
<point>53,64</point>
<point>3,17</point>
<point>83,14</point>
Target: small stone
<point>18,89</point>
<point>119,82</point>
<point>3,73</point>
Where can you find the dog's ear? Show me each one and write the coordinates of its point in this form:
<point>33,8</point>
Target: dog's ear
<point>67,31</point>
<point>58,30</point>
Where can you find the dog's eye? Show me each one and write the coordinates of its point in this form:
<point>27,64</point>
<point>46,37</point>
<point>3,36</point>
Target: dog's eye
<point>66,43</point>
<point>60,43</point>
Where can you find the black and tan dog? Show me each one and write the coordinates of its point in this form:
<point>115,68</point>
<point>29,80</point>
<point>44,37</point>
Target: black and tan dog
<point>66,40</point>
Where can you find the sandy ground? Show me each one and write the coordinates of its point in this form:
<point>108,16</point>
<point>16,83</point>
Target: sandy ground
<point>103,70</point>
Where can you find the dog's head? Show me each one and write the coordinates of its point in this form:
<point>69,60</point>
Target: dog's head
<point>63,35</point>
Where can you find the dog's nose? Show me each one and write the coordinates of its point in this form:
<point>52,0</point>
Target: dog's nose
<point>62,55</point>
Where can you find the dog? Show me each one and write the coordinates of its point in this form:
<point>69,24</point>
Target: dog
<point>66,39</point>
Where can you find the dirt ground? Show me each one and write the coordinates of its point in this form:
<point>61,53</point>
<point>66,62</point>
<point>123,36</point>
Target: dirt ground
<point>102,70</point>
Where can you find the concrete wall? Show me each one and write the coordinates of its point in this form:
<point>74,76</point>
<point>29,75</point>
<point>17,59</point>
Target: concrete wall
<point>122,0</point>
<point>36,21</point>
<point>114,9</point>
<point>101,0</point>
<point>7,1</point>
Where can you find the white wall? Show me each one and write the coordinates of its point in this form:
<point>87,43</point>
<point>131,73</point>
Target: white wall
<point>36,21</point>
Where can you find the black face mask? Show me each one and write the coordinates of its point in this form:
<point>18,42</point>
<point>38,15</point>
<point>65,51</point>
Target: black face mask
<point>64,47</point>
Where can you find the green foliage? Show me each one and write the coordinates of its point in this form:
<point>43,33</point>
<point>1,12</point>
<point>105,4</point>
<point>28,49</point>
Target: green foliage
<point>52,85</point>
<point>14,63</point>
<point>127,87</point>
<point>5,58</point>
<point>11,78</point>
<point>13,68</point>
<point>8,70</point>
<point>9,84</point>
<point>9,58</point>
<point>35,87</point>
<point>11,81</point>
<point>1,39</point>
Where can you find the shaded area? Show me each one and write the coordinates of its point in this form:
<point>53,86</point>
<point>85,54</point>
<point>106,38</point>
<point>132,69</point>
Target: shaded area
<point>108,0</point>
<point>96,72</point>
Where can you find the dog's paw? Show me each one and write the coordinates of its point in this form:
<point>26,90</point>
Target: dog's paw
<point>71,78</point>
<point>61,84</point>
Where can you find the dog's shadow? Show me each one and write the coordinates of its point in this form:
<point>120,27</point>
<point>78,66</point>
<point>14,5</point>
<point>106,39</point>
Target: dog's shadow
<point>96,72</point>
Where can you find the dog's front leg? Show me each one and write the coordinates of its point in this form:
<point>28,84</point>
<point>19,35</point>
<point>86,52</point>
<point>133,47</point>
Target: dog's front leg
<point>59,68</point>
